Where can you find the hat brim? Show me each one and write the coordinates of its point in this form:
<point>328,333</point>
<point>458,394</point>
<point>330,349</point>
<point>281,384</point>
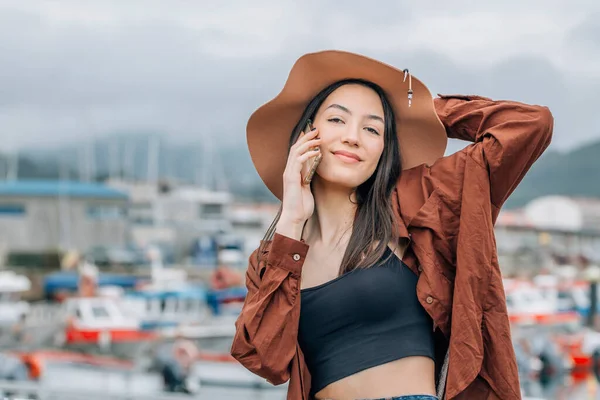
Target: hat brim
<point>421,134</point>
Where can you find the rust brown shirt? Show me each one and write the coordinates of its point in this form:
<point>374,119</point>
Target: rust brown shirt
<point>447,211</point>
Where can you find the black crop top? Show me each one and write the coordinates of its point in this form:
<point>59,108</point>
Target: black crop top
<point>361,319</point>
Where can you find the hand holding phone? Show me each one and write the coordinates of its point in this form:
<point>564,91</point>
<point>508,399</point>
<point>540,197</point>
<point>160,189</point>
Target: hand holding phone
<point>298,203</point>
<point>311,165</point>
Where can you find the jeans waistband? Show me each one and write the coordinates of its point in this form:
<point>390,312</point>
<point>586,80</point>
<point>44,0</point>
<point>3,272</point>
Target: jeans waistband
<point>408,397</point>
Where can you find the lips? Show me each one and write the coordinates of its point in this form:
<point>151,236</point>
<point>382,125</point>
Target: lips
<point>347,154</point>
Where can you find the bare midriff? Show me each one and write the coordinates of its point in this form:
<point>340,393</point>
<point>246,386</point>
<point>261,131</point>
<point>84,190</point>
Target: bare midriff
<point>407,376</point>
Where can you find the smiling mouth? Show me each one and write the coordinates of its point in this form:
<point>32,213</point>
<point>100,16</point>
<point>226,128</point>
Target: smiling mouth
<point>346,158</point>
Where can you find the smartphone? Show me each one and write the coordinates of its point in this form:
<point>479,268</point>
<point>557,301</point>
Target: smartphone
<point>314,163</point>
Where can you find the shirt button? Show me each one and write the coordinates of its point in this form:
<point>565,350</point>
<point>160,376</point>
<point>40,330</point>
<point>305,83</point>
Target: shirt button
<point>429,299</point>
<point>296,257</point>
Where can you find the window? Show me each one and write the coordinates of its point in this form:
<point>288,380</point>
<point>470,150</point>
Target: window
<point>11,209</point>
<point>141,213</point>
<point>211,210</point>
<point>106,212</point>
<point>100,312</point>
<point>191,304</point>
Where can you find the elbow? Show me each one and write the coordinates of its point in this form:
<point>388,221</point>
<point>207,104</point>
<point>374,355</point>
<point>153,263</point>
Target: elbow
<point>275,373</point>
<point>271,368</point>
<point>545,122</point>
<point>243,350</point>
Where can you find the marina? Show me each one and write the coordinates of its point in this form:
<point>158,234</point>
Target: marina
<point>141,166</point>
<point>151,314</point>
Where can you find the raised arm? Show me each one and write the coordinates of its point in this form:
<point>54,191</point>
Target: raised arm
<point>509,136</point>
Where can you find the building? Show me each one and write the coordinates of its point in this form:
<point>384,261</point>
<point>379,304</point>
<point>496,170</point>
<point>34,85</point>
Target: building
<point>41,216</point>
<point>251,221</point>
<point>563,213</point>
<point>175,215</point>
<point>550,230</point>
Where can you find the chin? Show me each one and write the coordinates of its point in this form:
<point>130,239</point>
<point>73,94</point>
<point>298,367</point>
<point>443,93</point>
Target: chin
<point>347,179</point>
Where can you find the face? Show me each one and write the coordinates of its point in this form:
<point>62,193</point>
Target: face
<point>351,127</point>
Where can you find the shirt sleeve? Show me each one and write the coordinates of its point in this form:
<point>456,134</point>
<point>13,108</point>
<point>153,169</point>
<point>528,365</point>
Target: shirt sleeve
<point>267,328</point>
<point>508,136</point>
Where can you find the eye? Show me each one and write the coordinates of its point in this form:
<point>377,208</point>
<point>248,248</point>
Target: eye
<point>372,130</point>
<point>335,120</point>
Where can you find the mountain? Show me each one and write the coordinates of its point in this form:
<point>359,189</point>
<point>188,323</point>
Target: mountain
<point>574,173</point>
<point>127,155</point>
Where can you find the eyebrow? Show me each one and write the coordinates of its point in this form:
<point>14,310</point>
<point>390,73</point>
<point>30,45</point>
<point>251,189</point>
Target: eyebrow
<point>345,109</point>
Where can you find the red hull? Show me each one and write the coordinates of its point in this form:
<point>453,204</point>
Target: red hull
<point>116,335</point>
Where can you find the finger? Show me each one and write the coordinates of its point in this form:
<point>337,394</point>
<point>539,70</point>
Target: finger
<point>296,164</point>
<point>307,156</point>
<point>306,137</point>
<point>308,146</point>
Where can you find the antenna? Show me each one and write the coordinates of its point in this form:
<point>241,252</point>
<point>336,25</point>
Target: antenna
<point>90,146</point>
<point>129,159</point>
<point>13,166</point>
<point>206,164</point>
<point>113,158</point>
<point>64,207</point>
<point>85,162</point>
<point>220,176</point>
<point>153,154</point>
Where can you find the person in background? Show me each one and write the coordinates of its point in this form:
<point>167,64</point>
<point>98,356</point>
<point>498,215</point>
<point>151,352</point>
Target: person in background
<point>176,367</point>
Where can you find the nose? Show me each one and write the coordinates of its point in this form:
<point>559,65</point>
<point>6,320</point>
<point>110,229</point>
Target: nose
<point>350,136</point>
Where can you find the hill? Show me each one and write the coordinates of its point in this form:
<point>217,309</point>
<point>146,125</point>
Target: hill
<point>574,173</point>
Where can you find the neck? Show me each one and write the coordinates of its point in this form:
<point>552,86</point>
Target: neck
<point>332,221</point>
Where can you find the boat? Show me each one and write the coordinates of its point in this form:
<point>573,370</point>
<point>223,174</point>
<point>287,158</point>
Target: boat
<point>168,299</point>
<point>163,309</point>
<point>524,298</point>
<point>87,373</point>
<point>99,325</point>
<point>227,291</point>
<point>60,285</point>
<point>214,365</point>
<point>12,308</point>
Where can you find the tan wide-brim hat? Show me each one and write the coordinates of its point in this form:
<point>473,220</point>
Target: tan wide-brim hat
<point>421,135</point>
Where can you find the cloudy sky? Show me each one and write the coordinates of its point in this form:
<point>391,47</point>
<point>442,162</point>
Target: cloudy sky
<point>76,69</point>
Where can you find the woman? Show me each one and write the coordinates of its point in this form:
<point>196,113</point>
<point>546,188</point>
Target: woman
<point>380,279</point>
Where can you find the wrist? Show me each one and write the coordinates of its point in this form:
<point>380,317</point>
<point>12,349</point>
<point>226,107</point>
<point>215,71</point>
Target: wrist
<point>290,228</point>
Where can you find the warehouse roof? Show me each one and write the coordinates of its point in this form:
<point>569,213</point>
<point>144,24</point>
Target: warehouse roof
<point>51,188</point>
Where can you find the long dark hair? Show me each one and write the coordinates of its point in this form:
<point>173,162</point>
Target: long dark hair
<point>374,218</point>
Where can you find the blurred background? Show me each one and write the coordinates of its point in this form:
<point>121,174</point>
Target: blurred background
<point>129,204</point>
